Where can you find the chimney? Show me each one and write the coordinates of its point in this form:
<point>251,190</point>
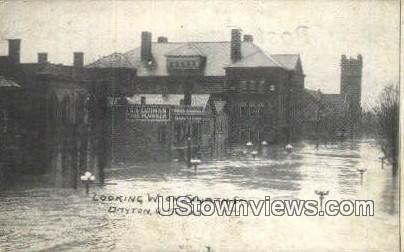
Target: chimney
<point>78,59</point>
<point>14,50</point>
<point>42,58</point>
<point>248,38</point>
<point>145,53</point>
<point>162,39</point>
<point>187,98</point>
<point>235,47</point>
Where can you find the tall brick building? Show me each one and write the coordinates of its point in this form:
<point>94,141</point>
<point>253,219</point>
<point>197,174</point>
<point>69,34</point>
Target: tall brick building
<point>53,117</point>
<point>260,93</point>
<point>351,84</point>
<point>333,115</point>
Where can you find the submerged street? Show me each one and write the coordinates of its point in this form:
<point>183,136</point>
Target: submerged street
<point>36,218</point>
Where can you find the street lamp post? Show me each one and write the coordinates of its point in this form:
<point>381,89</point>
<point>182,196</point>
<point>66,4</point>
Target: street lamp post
<point>249,146</point>
<point>264,148</point>
<point>195,163</point>
<point>254,153</point>
<point>321,196</point>
<point>289,148</point>
<point>189,152</point>
<point>87,179</point>
<point>361,172</point>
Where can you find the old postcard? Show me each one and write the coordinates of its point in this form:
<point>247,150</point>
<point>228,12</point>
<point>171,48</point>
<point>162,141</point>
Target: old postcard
<point>200,125</point>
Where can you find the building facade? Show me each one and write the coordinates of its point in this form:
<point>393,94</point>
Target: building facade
<point>336,115</point>
<point>55,117</point>
<point>259,93</point>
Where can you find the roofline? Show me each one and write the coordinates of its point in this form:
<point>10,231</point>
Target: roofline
<point>184,56</point>
<point>238,67</point>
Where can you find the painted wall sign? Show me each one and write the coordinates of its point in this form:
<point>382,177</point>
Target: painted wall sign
<point>148,113</point>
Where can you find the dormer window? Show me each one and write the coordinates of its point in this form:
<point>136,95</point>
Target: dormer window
<point>186,57</point>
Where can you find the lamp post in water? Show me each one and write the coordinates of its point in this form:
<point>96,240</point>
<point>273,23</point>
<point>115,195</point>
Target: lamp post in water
<point>249,146</point>
<point>189,152</point>
<point>361,171</point>
<point>264,148</point>
<point>321,195</point>
<point>87,178</point>
<point>254,154</point>
<point>195,163</point>
<point>289,148</point>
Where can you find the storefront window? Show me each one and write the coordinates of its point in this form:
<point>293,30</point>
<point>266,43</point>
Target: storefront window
<point>162,134</point>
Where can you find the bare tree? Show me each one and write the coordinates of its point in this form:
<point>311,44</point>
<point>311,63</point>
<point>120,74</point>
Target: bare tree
<point>388,124</point>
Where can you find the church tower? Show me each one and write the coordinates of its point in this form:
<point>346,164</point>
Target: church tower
<point>351,84</point>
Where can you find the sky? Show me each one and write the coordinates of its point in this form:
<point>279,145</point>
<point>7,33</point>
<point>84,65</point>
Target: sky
<point>320,31</point>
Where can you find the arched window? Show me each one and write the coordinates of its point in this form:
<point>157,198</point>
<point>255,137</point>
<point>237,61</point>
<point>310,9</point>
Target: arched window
<point>65,109</point>
<point>53,106</point>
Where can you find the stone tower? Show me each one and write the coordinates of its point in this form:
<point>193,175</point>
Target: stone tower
<point>351,84</point>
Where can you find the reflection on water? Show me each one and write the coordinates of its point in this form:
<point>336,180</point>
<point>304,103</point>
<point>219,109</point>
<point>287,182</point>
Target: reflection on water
<point>33,218</point>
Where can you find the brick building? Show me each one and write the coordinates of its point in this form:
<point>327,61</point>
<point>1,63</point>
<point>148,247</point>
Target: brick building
<point>257,94</point>
<point>336,115</point>
<point>152,126</point>
<point>54,116</point>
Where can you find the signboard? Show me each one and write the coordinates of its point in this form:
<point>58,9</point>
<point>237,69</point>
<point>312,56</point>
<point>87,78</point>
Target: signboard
<point>148,113</point>
<point>185,117</point>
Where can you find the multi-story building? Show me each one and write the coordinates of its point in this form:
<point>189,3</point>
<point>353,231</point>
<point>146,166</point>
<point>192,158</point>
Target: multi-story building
<point>53,117</point>
<point>260,93</point>
<point>330,115</point>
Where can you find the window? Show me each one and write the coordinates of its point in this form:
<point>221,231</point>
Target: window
<point>177,133</point>
<point>143,100</point>
<point>253,110</point>
<point>252,85</point>
<point>244,135</point>
<point>195,129</point>
<point>162,134</point>
<point>244,110</point>
<point>243,85</point>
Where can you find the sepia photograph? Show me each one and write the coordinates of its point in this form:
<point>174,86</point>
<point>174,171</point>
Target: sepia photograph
<point>206,126</point>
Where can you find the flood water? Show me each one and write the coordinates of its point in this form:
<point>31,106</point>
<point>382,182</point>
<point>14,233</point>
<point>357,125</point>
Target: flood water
<point>35,218</point>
